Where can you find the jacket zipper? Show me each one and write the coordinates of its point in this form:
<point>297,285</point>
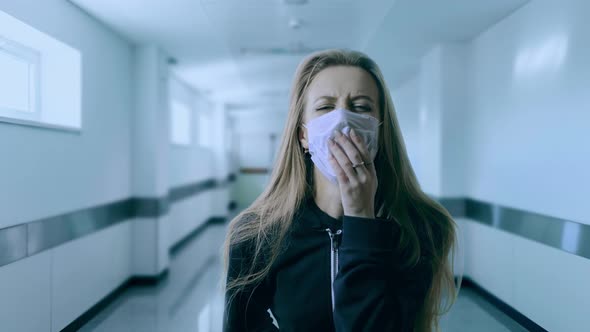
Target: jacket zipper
<point>335,243</point>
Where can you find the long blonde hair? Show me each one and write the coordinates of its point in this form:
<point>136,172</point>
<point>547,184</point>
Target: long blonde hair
<point>426,228</point>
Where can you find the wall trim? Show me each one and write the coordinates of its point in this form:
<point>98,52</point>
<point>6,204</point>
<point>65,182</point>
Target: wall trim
<point>24,240</point>
<point>569,236</point>
<point>27,239</point>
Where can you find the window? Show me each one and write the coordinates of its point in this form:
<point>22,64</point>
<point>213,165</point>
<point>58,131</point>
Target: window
<point>180,123</point>
<point>19,82</point>
<point>205,124</point>
<point>40,81</point>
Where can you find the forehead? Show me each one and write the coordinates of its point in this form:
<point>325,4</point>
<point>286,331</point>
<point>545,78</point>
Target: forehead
<point>342,80</point>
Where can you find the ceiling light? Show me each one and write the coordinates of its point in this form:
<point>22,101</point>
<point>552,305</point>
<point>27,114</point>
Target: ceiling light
<point>295,23</point>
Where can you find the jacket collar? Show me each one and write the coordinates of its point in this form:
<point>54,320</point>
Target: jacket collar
<point>315,218</point>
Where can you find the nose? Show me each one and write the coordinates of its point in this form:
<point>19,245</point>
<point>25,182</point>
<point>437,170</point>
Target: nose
<point>343,102</point>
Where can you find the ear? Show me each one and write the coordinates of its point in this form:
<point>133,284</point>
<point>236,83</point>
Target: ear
<point>302,134</point>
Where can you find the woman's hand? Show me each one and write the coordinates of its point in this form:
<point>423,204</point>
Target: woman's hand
<point>358,185</point>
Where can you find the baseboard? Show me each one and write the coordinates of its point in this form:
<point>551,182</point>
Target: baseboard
<point>89,314</point>
<point>508,310</point>
<point>138,280</point>
<point>150,280</point>
<point>175,248</point>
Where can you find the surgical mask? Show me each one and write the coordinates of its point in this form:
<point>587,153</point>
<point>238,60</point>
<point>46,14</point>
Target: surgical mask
<point>321,129</point>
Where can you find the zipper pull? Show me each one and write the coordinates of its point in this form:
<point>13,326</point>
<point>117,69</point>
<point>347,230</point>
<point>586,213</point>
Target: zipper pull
<point>335,243</point>
<point>334,238</point>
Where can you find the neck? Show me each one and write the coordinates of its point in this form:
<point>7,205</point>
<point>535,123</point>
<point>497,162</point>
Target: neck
<point>327,195</point>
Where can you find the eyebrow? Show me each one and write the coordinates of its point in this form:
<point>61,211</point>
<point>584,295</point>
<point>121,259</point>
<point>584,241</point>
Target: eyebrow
<point>331,98</point>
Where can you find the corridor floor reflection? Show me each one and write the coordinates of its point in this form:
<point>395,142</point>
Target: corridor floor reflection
<point>189,299</point>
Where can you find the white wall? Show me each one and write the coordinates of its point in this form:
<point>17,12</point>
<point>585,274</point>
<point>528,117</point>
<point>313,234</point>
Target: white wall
<point>197,162</point>
<point>406,99</point>
<point>431,110</point>
<point>530,128</point>
<point>511,111</point>
<point>526,149</point>
<point>150,156</point>
<point>194,162</point>
<point>77,284</point>
<point>46,172</point>
<point>71,162</point>
<point>455,96</point>
<point>26,288</point>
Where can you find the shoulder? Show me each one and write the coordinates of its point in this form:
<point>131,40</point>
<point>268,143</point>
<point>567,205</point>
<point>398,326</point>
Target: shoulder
<point>239,235</point>
<point>243,219</point>
<point>246,239</point>
<point>241,226</point>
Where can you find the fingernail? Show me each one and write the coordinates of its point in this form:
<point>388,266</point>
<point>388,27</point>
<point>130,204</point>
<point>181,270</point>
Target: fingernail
<point>352,132</point>
<point>337,133</point>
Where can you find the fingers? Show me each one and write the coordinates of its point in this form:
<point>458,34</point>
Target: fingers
<point>349,148</point>
<point>340,173</point>
<point>349,151</point>
<point>341,164</point>
<point>363,150</point>
<point>360,145</point>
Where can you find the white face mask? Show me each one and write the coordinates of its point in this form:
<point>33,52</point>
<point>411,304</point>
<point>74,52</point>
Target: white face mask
<point>321,129</point>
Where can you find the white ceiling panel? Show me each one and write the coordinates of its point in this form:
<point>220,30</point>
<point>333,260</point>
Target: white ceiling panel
<point>246,51</point>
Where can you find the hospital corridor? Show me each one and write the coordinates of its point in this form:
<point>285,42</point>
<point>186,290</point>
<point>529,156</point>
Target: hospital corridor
<point>294,165</point>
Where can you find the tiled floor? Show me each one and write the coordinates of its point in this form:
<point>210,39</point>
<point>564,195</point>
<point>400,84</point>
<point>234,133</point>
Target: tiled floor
<point>190,299</point>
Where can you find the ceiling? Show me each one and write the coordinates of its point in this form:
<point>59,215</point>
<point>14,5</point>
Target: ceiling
<point>415,26</point>
<point>244,52</point>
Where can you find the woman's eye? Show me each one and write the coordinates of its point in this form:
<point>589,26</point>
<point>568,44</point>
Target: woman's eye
<point>362,108</point>
<point>324,108</point>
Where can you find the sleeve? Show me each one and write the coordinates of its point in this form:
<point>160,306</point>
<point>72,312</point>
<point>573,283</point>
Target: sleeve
<point>371,293</point>
<point>247,309</point>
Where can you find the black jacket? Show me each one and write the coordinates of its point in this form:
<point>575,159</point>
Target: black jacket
<point>371,292</point>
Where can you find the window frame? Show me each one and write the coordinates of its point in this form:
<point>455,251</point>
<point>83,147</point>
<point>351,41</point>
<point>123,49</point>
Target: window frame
<point>49,60</point>
<point>191,115</point>
<point>32,58</point>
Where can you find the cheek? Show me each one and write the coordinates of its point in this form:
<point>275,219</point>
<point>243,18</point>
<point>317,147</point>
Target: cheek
<point>311,114</point>
<point>376,114</point>
<point>307,115</point>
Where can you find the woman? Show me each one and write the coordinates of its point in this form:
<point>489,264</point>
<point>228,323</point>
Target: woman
<point>343,238</point>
